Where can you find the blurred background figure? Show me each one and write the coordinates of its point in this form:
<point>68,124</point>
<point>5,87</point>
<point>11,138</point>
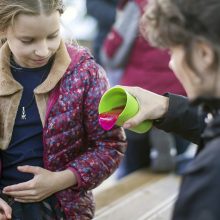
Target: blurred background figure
<point>104,11</point>
<point>146,67</point>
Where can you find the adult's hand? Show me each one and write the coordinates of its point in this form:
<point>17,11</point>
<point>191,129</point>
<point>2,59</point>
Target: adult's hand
<point>151,106</point>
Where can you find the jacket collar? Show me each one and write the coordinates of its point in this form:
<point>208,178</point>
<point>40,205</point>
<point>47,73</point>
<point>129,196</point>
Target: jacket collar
<point>211,106</point>
<point>8,85</point>
<point>208,104</point>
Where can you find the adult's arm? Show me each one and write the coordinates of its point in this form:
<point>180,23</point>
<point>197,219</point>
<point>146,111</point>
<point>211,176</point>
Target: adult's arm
<point>182,118</point>
<point>103,11</point>
<point>171,113</point>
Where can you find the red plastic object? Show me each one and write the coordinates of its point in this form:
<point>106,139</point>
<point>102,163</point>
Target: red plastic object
<point>107,120</point>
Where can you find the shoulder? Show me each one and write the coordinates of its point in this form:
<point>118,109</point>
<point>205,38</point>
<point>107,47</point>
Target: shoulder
<point>83,62</point>
<point>83,70</point>
<point>78,54</point>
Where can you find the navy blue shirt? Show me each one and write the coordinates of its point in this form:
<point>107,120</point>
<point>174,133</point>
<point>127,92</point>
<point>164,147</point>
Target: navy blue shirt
<point>26,146</point>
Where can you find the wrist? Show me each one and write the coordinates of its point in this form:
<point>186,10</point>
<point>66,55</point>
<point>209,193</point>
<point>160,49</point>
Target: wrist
<point>164,107</point>
<point>64,179</point>
<point>162,110</point>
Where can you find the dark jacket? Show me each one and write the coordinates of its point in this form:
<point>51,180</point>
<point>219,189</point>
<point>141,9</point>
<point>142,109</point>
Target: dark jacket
<point>199,192</point>
<point>183,119</point>
<point>104,11</point>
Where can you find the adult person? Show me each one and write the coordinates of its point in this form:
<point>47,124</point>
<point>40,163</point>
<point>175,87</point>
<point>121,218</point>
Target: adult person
<point>190,30</point>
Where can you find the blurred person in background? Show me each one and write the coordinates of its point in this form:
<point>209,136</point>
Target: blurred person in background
<point>104,11</point>
<point>146,67</point>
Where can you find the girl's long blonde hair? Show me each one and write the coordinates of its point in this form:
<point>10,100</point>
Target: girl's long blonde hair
<point>9,9</point>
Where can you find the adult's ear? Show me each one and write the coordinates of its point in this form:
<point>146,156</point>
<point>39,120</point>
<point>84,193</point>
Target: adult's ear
<point>204,55</point>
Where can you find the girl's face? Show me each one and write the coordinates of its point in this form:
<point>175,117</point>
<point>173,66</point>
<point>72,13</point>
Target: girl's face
<point>33,39</point>
<point>199,83</point>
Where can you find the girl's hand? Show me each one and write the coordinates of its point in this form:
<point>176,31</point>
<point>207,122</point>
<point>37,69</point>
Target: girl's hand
<point>44,184</point>
<point>5,210</point>
<point>151,106</point>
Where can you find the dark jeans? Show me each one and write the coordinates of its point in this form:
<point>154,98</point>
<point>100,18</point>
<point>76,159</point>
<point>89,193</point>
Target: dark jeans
<point>48,209</point>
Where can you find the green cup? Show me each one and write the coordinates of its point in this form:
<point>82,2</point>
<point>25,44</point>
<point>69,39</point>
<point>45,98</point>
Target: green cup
<point>117,97</point>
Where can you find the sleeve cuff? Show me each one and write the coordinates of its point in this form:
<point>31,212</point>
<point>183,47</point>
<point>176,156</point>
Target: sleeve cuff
<point>78,179</point>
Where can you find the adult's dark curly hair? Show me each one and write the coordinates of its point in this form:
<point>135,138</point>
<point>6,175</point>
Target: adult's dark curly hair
<point>168,23</point>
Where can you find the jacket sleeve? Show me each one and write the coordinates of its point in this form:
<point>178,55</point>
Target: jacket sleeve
<point>105,149</point>
<point>103,11</point>
<point>182,119</point>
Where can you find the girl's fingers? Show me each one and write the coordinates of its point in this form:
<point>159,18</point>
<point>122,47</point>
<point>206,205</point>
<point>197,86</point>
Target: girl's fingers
<point>5,209</point>
<point>17,187</point>
<point>20,193</point>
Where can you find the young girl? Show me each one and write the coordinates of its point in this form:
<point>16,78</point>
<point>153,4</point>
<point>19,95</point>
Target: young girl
<point>190,30</point>
<point>53,151</point>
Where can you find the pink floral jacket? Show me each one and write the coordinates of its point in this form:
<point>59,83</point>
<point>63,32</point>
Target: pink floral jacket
<point>73,138</point>
<point>68,101</point>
